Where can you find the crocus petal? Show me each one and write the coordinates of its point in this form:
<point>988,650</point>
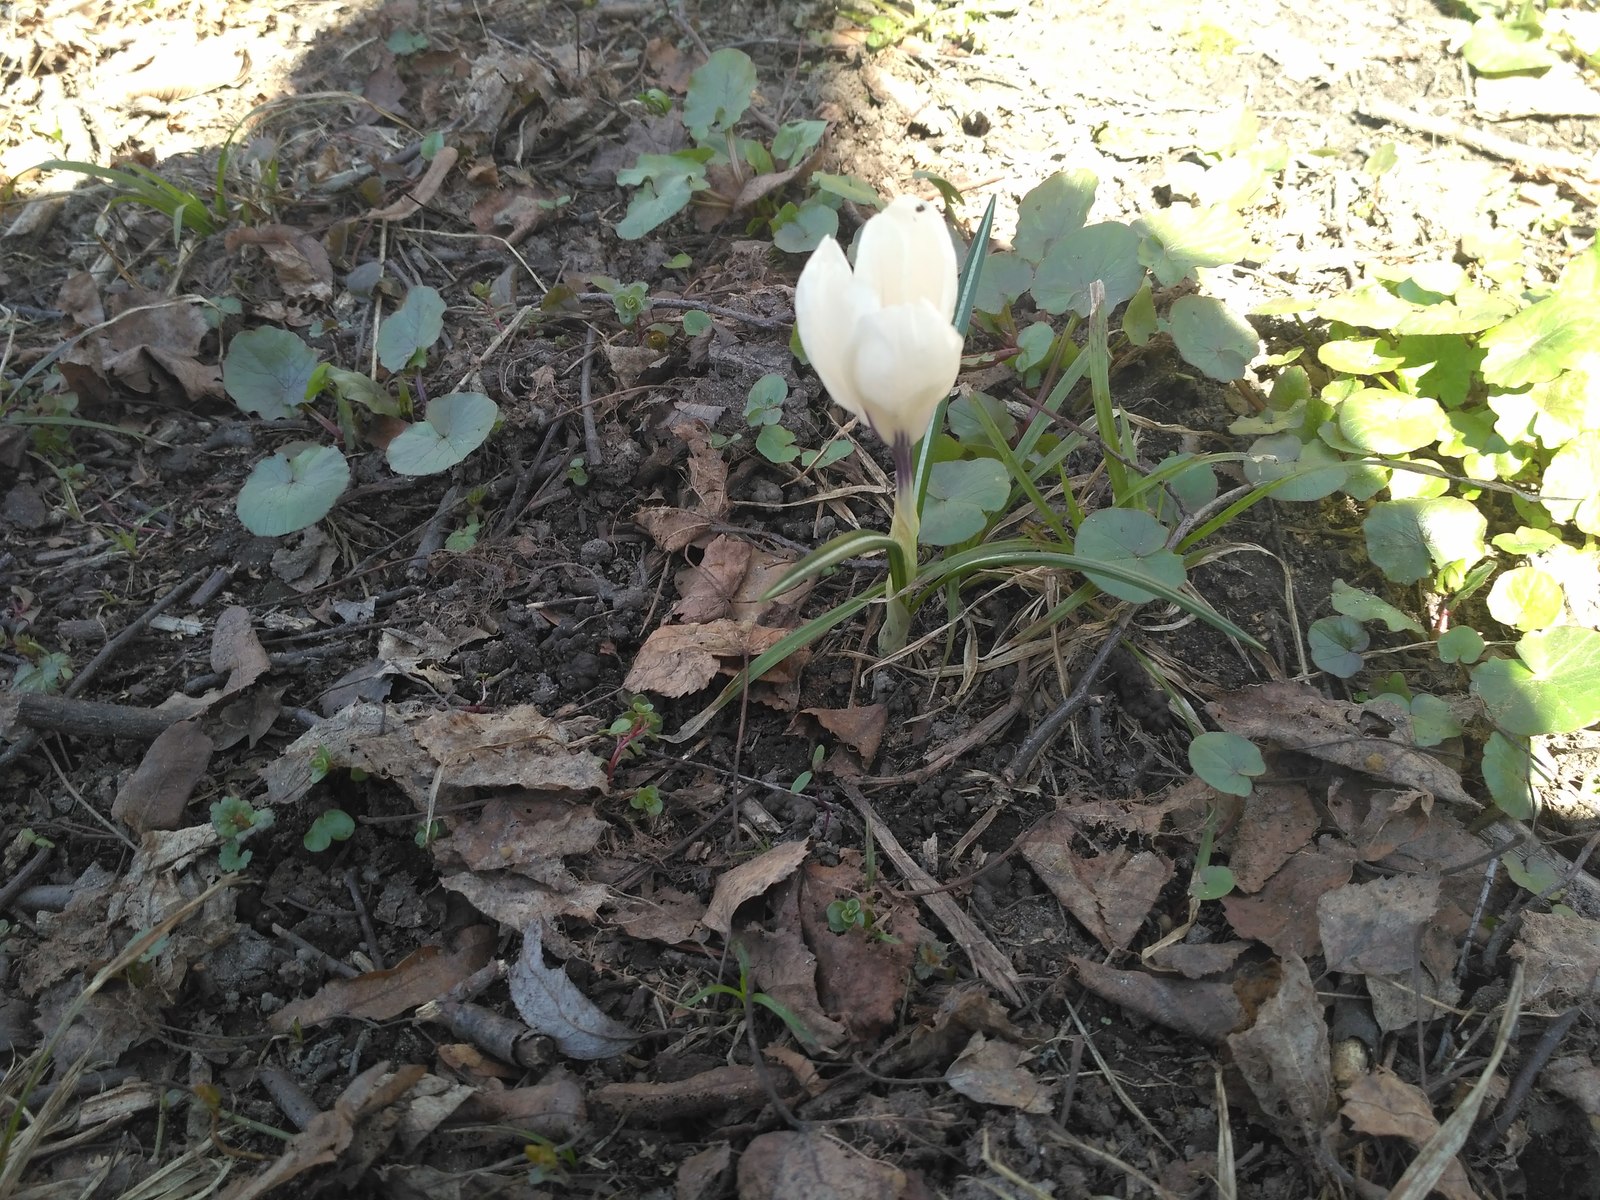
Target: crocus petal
<point>907,358</point>
<point>904,254</point>
<point>827,304</point>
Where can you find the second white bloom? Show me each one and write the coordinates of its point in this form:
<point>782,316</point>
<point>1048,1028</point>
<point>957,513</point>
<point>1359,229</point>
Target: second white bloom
<point>879,336</point>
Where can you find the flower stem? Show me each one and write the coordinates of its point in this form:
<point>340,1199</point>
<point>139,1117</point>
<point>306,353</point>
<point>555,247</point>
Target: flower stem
<point>903,528</point>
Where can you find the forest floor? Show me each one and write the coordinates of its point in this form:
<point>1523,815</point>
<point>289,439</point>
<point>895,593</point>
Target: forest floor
<point>407,853</point>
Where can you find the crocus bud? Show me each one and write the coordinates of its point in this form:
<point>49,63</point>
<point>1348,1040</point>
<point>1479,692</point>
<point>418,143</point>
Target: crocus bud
<point>880,335</point>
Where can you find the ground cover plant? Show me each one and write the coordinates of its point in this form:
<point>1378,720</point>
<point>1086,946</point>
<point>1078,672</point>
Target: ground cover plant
<point>879,600</point>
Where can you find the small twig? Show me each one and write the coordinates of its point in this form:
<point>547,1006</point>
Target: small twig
<point>591,437</point>
<point>433,534</point>
<point>1041,737</point>
<point>526,480</point>
<point>90,718</point>
<point>367,930</point>
<point>1527,1074</point>
<point>289,1096</point>
<point>983,733</point>
<point>337,966</point>
<point>987,960</point>
<point>677,302</point>
<point>15,886</point>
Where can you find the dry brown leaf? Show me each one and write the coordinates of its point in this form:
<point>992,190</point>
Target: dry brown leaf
<point>236,650</point>
<point>1376,928</point>
<point>677,660</point>
<point>158,791</point>
<point>730,580</point>
<point>861,728</point>
<point>426,974</point>
<point>516,901</point>
<point>807,1166</point>
<point>1384,1105</point>
<point>706,1175</point>
<point>991,1072</point>
<point>554,1108</point>
<point>422,191</point>
<point>298,258</point>
<point>511,214</point>
<point>708,473</point>
<point>750,879</point>
<point>151,345</point>
<point>1110,894</point>
<point>664,916</point>
<point>1208,1011</point>
<point>672,528</point>
<point>1561,956</point>
<point>1278,819</point>
<point>1198,960</point>
<point>1283,914</point>
<point>523,835</point>
<point>517,747</point>
<point>1284,1059</point>
<point>1362,737</point>
<point>860,978</point>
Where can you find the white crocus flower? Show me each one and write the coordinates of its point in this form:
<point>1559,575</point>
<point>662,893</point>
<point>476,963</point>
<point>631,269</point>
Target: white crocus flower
<point>880,336</point>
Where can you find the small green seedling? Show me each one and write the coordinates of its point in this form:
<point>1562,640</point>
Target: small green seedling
<point>745,998</point>
<point>803,780</point>
<point>335,825</point>
<point>763,410</point>
<point>638,724</point>
<point>428,833</point>
<point>647,801</point>
<point>845,915</point>
<point>235,820</point>
<point>1211,881</point>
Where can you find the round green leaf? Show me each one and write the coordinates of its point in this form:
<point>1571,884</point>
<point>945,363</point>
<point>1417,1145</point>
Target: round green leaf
<point>335,825</point>
<point>1497,48</point>
<point>1526,598</point>
<point>1051,211</point>
<point>719,92</point>
<point>1555,688</point>
<point>1336,645</point>
<point>1364,606</point>
<point>1182,238</point>
<point>1371,306</point>
<point>1004,278</point>
<point>1360,356</point>
<point>1108,252</point>
<point>1212,882</point>
<point>1377,421</point>
<point>695,322</point>
<point>287,493</point>
<point>267,371</point>
<point>1509,768</point>
<point>1570,489</point>
<point>414,326</point>
<point>1540,342</point>
<point>1463,644</point>
<point>457,425</point>
<point>1226,761</point>
<point>1316,470</point>
<point>1132,539</point>
<point>1211,338</point>
<point>802,233</point>
<point>961,495</point>
<point>1407,539</point>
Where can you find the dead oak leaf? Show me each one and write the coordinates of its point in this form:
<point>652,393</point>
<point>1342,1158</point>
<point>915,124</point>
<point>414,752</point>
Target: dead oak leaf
<point>750,879</point>
<point>1384,1105</point>
<point>861,728</point>
<point>1110,894</point>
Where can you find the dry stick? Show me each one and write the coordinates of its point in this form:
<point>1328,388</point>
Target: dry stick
<point>433,534</point>
<point>1041,737</point>
<point>89,718</point>
<point>288,1095</point>
<point>984,732</point>
<point>337,966</point>
<point>525,481</point>
<point>365,917</point>
<point>108,652</point>
<point>18,883</point>
<point>715,310</point>
<point>1533,159</point>
<point>987,961</point>
<point>1527,1074</point>
<point>591,437</point>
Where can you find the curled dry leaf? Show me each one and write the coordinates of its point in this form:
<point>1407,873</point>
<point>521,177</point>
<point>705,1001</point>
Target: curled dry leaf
<point>158,791</point>
<point>715,1091</point>
<point>1283,914</point>
<point>1208,1011</point>
<point>991,1072</point>
<point>552,1004</point>
<point>299,259</point>
<point>1561,956</point>
<point>750,879</point>
<point>1384,1105</point>
<point>1110,894</point>
<point>236,650</point>
<point>861,728</point>
<point>677,660</point>
<point>1278,819</point>
<point>1376,927</point>
<point>1284,1057</point>
<point>425,974</point>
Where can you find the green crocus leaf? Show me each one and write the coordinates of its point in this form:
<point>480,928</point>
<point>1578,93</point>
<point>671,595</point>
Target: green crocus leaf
<point>1407,539</point>
<point>1552,687</point>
